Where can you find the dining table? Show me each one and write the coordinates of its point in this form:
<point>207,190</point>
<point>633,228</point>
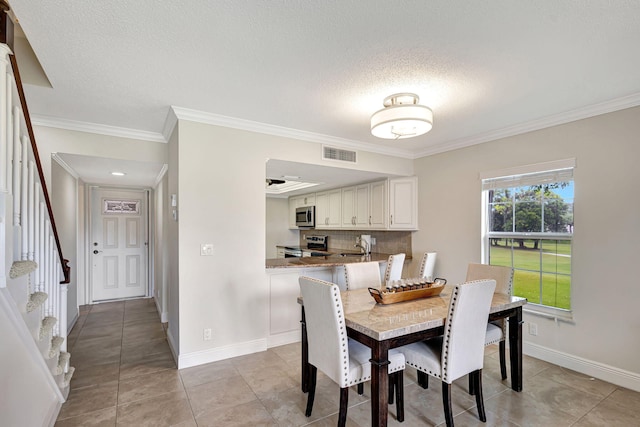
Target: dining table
<point>385,326</point>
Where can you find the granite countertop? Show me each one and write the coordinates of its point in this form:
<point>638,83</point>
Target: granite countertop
<point>381,322</point>
<point>333,260</point>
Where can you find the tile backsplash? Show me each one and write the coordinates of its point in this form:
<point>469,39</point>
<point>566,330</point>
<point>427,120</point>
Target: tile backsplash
<point>387,242</point>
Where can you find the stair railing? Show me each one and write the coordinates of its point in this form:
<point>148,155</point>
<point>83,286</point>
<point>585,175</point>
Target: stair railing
<point>27,225</point>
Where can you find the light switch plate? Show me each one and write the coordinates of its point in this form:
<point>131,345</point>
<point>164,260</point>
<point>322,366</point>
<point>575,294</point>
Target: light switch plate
<point>206,249</point>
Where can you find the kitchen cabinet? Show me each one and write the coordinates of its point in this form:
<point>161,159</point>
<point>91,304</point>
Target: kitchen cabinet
<point>328,209</point>
<point>390,204</point>
<point>365,206</point>
<point>403,203</point>
<point>378,205</point>
<point>355,206</point>
<point>298,202</point>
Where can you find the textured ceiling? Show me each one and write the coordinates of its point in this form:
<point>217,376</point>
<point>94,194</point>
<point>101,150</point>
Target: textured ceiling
<point>486,69</point>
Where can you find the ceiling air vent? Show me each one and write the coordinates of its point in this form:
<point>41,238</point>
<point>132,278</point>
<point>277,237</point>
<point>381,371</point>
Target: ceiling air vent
<point>332,153</point>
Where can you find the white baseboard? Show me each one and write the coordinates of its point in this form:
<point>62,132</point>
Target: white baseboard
<point>611,374</point>
<point>164,316</point>
<point>283,339</point>
<point>220,353</point>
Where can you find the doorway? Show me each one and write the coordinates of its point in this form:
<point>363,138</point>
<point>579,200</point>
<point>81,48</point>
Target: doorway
<point>118,243</point>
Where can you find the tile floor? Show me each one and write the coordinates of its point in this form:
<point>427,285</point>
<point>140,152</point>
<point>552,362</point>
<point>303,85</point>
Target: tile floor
<point>125,376</point>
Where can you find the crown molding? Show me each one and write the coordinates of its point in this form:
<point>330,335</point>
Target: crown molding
<point>54,122</point>
<point>65,165</point>
<point>178,113</point>
<point>251,126</point>
<point>617,104</point>
<point>169,123</point>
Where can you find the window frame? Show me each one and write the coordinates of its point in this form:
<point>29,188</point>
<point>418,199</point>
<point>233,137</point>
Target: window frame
<point>505,175</point>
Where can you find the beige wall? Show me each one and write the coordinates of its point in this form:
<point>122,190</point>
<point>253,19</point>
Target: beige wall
<point>605,290</point>
<point>65,213</point>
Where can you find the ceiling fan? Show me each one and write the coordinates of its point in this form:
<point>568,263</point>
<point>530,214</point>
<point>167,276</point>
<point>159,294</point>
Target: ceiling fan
<point>275,181</point>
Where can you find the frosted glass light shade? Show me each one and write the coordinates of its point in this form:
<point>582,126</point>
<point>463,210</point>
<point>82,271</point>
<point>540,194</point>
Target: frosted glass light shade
<point>401,118</point>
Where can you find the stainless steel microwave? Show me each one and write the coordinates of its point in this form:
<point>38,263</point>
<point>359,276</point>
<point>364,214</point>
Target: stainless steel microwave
<point>306,216</point>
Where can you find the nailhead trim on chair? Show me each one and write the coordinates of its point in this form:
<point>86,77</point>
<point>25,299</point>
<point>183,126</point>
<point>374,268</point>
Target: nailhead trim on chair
<point>445,348</point>
<point>387,272</point>
<point>345,359</point>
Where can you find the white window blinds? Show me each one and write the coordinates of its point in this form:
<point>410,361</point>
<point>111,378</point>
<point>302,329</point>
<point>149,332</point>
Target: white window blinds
<point>540,174</point>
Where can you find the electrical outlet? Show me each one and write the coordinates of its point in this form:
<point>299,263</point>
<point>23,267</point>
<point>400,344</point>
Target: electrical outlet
<point>206,334</point>
<point>373,241</point>
<point>533,329</point>
<point>206,249</point>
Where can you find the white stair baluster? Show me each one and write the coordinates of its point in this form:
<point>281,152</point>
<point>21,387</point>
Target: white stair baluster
<point>23,199</point>
<point>47,283</point>
<point>31,207</point>
<point>17,152</point>
<point>11,173</point>
<point>10,126</point>
<point>36,233</point>
<point>52,286</point>
<point>56,293</point>
<point>4,64</point>
<point>41,249</point>
<point>64,288</point>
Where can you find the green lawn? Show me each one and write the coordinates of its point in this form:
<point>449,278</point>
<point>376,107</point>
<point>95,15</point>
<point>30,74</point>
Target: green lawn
<point>555,277</point>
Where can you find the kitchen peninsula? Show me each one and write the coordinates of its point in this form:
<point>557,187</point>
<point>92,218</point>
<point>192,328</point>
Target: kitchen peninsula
<point>284,310</point>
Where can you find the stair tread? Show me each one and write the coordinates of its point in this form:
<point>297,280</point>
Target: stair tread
<point>36,299</point>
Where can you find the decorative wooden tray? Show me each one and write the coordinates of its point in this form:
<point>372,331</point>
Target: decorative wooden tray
<point>403,293</point>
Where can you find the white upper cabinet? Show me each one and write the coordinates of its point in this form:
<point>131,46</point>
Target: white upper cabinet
<point>298,202</point>
<point>378,205</point>
<point>403,203</point>
<point>391,204</point>
<point>329,209</point>
<point>355,206</point>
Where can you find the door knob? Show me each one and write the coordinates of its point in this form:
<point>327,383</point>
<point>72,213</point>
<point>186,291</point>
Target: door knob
<point>96,252</point>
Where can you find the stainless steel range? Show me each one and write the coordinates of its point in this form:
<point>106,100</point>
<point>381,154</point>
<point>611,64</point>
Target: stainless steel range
<point>315,244</point>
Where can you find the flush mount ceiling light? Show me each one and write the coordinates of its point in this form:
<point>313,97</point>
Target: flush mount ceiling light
<point>118,173</point>
<point>402,117</point>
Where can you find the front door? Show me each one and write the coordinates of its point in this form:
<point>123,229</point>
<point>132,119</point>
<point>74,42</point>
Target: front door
<point>119,243</point>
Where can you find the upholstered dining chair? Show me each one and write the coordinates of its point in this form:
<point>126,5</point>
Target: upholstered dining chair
<point>427,264</point>
<point>461,350</point>
<point>342,359</point>
<point>394,268</point>
<point>496,330</point>
<point>362,275</point>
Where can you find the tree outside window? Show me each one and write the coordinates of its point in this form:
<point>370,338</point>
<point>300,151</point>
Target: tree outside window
<point>529,228</point>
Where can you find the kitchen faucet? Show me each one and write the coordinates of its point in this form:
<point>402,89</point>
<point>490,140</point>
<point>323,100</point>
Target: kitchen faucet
<point>364,249</point>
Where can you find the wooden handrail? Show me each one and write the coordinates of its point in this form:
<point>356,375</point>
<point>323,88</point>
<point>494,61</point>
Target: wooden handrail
<point>6,28</point>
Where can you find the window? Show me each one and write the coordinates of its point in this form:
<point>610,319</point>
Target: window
<point>528,225</point>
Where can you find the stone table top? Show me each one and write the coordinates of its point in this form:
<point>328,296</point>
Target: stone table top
<point>382,322</point>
